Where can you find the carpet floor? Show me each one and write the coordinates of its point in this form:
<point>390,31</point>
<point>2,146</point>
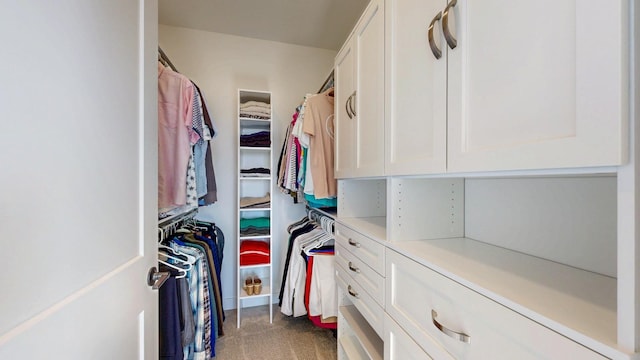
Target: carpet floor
<point>287,338</point>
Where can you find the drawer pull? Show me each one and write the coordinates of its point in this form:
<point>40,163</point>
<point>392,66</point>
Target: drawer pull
<point>354,243</point>
<point>352,293</point>
<point>353,268</point>
<point>455,335</point>
<point>445,25</point>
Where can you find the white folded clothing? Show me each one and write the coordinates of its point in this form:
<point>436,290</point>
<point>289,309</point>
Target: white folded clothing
<point>255,103</point>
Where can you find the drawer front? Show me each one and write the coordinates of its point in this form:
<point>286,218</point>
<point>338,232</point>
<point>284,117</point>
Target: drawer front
<point>471,325</point>
<point>362,274</point>
<point>368,307</point>
<point>398,345</point>
<point>367,250</point>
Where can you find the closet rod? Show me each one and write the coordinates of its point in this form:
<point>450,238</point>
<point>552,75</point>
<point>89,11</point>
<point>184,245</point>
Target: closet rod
<point>168,221</point>
<point>327,83</point>
<point>166,59</point>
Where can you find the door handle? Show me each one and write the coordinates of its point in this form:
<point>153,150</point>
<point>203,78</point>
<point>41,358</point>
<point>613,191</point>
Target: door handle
<point>453,334</point>
<point>445,25</point>
<point>351,105</point>
<point>432,43</point>
<point>347,107</point>
<point>155,278</point>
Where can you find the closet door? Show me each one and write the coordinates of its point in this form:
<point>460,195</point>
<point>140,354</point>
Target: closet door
<point>345,123</point>
<point>369,98</point>
<point>538,84</point>
<point>416,83</point>
<point>79,179</point>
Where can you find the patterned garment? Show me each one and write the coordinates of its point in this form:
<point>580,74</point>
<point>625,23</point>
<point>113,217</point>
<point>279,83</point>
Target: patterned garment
<point>195,278</point>
<point>192,194</point>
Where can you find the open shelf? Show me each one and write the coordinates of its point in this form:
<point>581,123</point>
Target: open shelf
<point>364,336</point>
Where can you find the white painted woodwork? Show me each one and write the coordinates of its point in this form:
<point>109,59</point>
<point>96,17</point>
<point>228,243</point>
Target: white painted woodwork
<point>495,332</point>
<point>398,345</point>
<point>426,209</point>
<point>360,138</point>
<point>371,281</point>
<point>416,89</point>
<point>344,80</point>
<point>538,85</point>
<point>250,157</point>
<point>362,198</point>
<point>79,201</point>
<point>366,305</point>
<point>369,100</point>
<point>371,344</point>
<point>361,246</point>
<point>570,220</point>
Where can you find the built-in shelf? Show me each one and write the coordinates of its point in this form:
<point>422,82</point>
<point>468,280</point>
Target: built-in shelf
<point>255,209</point>
<point>266,292</point>
<point>255,177</point>
<point>573,302</point>
<point>257,237</point>
<point>364,335</point>
<point>373,227</point>
<point>255,148</point>
<point>254,266</point>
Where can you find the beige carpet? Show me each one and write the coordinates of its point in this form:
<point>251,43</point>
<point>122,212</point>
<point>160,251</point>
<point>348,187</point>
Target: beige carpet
<point>286,338</point>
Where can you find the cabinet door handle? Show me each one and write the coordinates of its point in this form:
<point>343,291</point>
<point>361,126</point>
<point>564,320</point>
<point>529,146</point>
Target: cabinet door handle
<point>445,25</point>
<point>354,243</point>
<point>352,293</point>
<point>432,43</point>
<point>353,268</point>
<point>453,334</point>
<point>351,105</point>
<point>347,107</point>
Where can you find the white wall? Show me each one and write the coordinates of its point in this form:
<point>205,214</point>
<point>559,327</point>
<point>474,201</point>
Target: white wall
<point>220,64</point>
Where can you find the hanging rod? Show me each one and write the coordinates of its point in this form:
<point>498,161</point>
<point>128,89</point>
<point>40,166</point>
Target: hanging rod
<point>164,57</point>
<point>327,83</point>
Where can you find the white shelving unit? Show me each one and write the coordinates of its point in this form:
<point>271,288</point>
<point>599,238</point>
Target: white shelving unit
<point>254,186</point>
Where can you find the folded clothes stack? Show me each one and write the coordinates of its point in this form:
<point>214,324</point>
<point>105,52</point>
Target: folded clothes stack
<point>255,172</point>
<point>255,110</point>
<point>255,226</point>
<point>254,252</point>
<point>259,139</point>
<point>249,202</point>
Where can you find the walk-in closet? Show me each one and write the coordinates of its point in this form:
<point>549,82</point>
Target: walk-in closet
<point>361,179</point>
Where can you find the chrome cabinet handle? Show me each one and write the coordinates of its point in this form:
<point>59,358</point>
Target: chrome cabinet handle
<point>353,268</point>
<point>432,43</point>
<point>347,107</point>
<point>445,25</point>
<point>352,293</point>
<point>354,243</point>
<point>351,105</point>
<point>453,334</point>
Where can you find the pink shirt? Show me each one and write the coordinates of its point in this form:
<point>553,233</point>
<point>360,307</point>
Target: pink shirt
<point>175,136</point>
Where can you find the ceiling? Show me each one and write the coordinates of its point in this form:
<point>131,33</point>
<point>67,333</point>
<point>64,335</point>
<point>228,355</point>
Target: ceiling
<point>317,23</point>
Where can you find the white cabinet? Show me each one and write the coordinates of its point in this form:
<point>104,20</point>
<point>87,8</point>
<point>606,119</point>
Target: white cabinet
<point>360,112</point>
<point>537,84</point>
<point>398,345</point>
<point>416,83</point>
<point>527,85</point>
<point>254,273</point>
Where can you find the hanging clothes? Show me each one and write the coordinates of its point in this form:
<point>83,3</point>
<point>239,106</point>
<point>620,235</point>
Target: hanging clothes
<point>308,283</point>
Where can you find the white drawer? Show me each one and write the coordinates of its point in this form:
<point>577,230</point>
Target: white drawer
<point>398,345</point>
<point>361,273</point>
<point>414,292</point>
<point>367,250</point>
<point>369,308</point>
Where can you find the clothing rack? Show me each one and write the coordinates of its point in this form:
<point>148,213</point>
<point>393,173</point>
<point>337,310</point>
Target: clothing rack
<point>165,60</point>
<point>316,215</point>
<point>170,224</point>
<point>327,83</point>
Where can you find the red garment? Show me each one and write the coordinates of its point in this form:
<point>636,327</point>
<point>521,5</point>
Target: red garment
<point>316,320</point>
<point>254,252</point>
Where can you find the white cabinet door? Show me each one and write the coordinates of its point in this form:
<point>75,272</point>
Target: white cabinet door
<point>345,123</point>
<point>369,99</point>
<point>398,345</point>
<point>537,84</point>
<point>416,89</point>
<point>79,177</point>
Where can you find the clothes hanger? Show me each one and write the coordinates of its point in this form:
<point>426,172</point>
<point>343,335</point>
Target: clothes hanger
<point>183,272</point>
